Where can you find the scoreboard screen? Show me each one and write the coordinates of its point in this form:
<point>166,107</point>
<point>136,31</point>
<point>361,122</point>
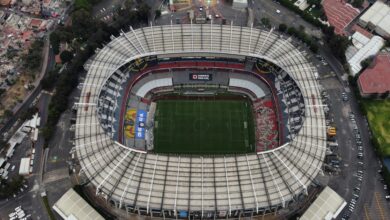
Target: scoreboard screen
<point>201,77</point>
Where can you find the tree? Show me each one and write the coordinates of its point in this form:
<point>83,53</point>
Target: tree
<point>128,4</point>
<point>291,31</point>
<point>266,22</point>
<point>387,43</point>
<point>357,3</point>
<point>282,27</point>
<point>82,4</point>
<point>34,57</point>
<point>8,113</point>
<point>314,47</point>
<point>55,42</point>
<point>314,2</point>
<point>367,62</point>
<point>338,45</point>
<point>28,113</point>
<point>48,82</point>
<point>66,56</point>
<point>83,25</point>
<point>11,186</point>
<point>158,13</point>
<point>143,12</point>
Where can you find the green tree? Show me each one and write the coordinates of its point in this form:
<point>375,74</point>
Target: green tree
<point>55,42</point>
<point>83,24</point>
<point>66,56</point>
<point>48,82</point>
<point>266,22</point>
<point>314,2</point>
<point>314,47</point>
<point>387,43</point>
<point>34,57</point>
<point>367,62</point>
<point>357,3</point>
<point>8,113</point>
<point>158,13</point>
<point>143,12</point>
<point>28,113</point>
<point>82,4</point>
<point>291,31</point>
<point>282,27</point>
<point>7,188</point>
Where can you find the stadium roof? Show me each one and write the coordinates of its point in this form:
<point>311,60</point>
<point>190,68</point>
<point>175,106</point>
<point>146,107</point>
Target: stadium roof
<point>71,206</point>
<point>376,79</point>
<point>132,178</point>
<point>327,206</point>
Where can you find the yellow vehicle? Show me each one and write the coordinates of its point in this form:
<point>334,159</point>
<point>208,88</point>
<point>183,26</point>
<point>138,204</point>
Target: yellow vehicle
<point>331,131</point>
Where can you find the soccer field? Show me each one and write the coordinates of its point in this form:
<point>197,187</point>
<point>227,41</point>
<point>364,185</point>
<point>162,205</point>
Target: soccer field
<point>203,127</point>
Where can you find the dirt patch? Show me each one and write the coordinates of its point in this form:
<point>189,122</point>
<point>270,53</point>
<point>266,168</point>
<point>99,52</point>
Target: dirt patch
<point>16,93</point>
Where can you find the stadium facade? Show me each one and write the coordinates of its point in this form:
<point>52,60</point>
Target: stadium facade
<point>133,179</point>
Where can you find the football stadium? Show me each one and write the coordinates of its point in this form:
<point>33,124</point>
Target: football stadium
<point>200,121</point>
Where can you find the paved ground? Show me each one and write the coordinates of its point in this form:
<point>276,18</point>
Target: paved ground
<point>267,8</point>
<point>225,12</point>
<point>371,195</point>
<point>29,199</point>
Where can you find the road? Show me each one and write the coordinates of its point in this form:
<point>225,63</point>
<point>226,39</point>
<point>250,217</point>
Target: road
<point>47,65</point>
<point>371,189</point>
<point>30,195</point>
<point>267,8</point>
<point>371,203</point>
<point>34,183</point>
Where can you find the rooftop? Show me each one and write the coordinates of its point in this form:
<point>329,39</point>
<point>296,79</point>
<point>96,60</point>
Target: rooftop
<point>72,206</point>
<point>362,48</point>
<point>340,14</point>
<point>328,205</point>
<point>377,78</point>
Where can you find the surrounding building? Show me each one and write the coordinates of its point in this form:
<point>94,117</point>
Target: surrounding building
<point>24,167</point>
<point>179,4</point>
<point>327,206</point>
<point>363,46</point>
<point>72,206</point>
<point>5,2</point>
<point>302,4</point>
<point>240,4</point>
<point>377,18</point>
<point>340,14</point>
<point>375,80</point>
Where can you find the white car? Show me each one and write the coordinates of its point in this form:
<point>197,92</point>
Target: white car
<point>278,11</point>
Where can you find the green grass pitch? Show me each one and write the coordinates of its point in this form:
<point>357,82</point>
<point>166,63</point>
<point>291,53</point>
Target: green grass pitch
<point>203,127</point>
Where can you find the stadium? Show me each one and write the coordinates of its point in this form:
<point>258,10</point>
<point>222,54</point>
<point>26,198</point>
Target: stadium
<point>205,121</point>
